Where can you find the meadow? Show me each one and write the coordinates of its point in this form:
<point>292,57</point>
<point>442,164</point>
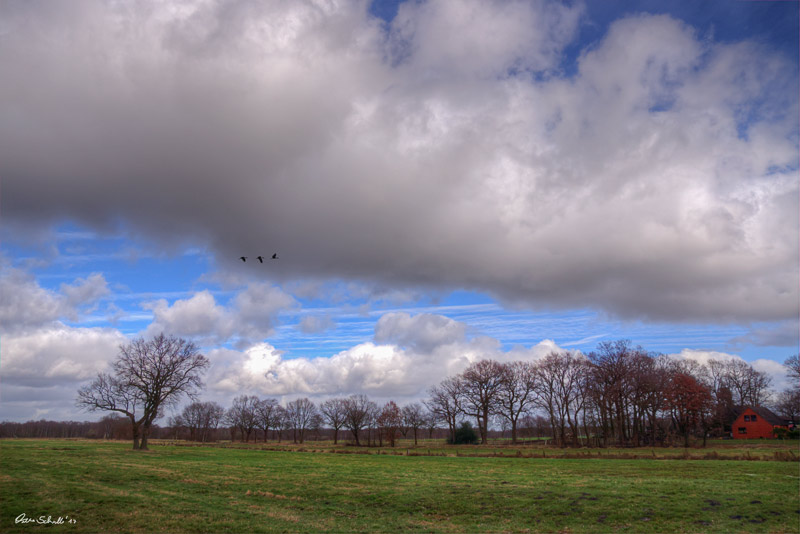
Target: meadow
<point>97,486</point>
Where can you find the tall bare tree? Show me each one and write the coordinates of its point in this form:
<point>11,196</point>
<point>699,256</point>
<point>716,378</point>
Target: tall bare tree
<point>481,385</point>
<point>267,415</point>
<point>358,415</point>
<point>242,415</point>
<point>749,387</point>
<point>558,384</point>
<point>517,393</point>
<point>445,403</point>
<point>792,365</point>
<point>302,414</point>
<point>414,418</point>
<point>389,421</point>
<point>334,413</point>
<point>148,376</point>
<point>788,402</point>
<point>688,399</point>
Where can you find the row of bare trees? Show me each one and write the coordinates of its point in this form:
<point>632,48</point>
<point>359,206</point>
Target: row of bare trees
<point>617,395</point>
<point>357,415</point>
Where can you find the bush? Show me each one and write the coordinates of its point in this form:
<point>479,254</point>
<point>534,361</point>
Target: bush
<point>465,435</point>
<point>783,433</point>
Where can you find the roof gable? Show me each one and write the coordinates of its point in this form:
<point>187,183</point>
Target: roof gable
<point>764,413</point>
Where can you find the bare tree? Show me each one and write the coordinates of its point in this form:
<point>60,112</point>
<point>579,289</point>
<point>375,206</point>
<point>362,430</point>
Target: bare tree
<point>242,415</point>
<point>148,376</point>
<point>358,414</point>
<point>481,384</point>
<point>688,399</point>
<point>389,421</point>
<point>749,387</point>
<point>301,413</point>
<point>267,415</point>
<point>334,413</point>
<point>558,384</point>
<point>788,404</point>
<point>517,393</point>
<point>283,422</point>
<point>414,418</point>
<point>445,402</point>
<point>200,418</point>
<point>792,364</point>
<point>431,422</point>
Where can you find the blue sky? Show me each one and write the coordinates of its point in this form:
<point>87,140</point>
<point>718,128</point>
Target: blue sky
<point>442,181</point>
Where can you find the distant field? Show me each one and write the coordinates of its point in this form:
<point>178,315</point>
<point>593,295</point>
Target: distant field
<point>106,487</point>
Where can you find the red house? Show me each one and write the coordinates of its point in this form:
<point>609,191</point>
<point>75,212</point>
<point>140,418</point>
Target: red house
<point>756,422</point>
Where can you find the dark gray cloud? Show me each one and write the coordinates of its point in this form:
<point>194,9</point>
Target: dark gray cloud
<point>659,182</point>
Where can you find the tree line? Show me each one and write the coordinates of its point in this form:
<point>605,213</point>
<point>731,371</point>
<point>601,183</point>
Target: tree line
<point>364,421</point>
<point>617,395</point>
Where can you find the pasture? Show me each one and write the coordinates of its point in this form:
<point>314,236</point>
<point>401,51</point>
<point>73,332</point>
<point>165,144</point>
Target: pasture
<point>106,487</point>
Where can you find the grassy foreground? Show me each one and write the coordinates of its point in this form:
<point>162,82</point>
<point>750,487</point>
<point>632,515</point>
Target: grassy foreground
<point>105,487</point>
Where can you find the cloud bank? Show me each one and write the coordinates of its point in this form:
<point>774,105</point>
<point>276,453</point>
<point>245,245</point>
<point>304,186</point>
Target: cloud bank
<point>445,149</point>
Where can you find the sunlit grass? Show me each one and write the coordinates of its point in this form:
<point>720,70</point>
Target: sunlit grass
<point>106,487</point>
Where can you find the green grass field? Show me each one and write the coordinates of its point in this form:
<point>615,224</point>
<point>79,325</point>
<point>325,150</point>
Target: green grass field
<point>716,449</point>
<point>106,487</point>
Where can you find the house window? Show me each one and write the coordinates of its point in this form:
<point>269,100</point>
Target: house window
<point>746,418</point>
<point>752,418</point>
<point>742,430</point>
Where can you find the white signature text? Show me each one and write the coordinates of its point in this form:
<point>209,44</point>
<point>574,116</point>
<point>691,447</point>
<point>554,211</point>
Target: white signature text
<point>44,520</point>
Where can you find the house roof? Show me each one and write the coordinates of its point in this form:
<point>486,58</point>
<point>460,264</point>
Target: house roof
<point>765,413</point>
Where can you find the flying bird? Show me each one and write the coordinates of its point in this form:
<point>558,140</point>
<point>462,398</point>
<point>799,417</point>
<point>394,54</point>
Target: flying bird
<point>275,256</point>
<point>260,259</point>
<point>243,258</point>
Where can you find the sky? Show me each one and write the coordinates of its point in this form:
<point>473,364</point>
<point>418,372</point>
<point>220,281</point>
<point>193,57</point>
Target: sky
<point>443,182</point>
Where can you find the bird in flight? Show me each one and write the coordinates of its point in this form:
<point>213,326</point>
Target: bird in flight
<point>260,259</point>
<point>275,256</point>
<point>243,258</point>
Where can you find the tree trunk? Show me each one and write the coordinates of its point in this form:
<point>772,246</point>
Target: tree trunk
<point>483,426</point>
<point>135,431</point>
<point>145,435</point>
<point>335,435</point>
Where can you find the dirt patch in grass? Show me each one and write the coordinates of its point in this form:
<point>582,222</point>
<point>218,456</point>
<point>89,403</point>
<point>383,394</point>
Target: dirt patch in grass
<point>283,515</point>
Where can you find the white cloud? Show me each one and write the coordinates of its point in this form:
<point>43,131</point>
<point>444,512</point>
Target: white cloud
<point>56,354</point>
<point>256,309</point>
<point>199,315</point>
<point>252,313</point>
<point>86,290</point>
<point>25,305</point>
<point>423,332</point>
<point>382,371</point>
<point>484,38</point>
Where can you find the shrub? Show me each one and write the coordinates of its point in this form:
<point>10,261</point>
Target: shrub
<point>465,435</point>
